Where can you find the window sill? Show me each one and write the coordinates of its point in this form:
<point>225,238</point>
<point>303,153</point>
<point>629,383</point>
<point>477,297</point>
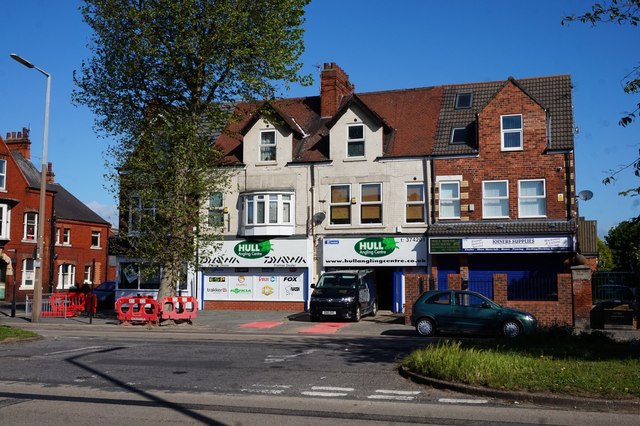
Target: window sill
<point>96,248</point>
<point>29,241</point>
<point>266,163</point>
<point>349,159</point>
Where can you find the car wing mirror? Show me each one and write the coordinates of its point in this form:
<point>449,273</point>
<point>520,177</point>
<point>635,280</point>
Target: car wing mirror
<point>313,285</point>
<point>485,305</point>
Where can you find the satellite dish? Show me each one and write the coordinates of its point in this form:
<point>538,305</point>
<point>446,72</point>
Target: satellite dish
<point>585,195</point>
<point>318,218</point>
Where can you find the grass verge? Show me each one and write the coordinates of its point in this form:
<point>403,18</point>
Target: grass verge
<point>552,360</point>
<point>12,333</point>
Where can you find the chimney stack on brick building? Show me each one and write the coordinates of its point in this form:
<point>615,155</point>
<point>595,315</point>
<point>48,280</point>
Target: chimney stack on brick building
<point>19,142</point>
<point>334,84</point>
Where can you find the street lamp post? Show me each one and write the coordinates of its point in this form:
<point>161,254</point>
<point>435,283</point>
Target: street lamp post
<point>37,289</point>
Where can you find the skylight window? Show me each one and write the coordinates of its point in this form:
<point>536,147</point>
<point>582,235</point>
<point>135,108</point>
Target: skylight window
<point>464,100</point>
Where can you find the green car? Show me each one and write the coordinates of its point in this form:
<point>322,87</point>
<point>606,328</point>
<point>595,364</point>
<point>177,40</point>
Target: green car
<point>458,311</point>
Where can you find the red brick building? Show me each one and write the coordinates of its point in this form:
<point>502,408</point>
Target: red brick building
<point>75,237</point>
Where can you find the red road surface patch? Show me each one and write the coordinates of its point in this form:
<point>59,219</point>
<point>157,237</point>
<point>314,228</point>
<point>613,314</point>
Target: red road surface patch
<point>262,324</point>
<point>324,328</point>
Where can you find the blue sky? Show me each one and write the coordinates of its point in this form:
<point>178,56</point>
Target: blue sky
<point>382,45</point>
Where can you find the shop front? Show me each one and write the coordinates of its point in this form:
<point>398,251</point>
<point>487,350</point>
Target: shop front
<point>390,256</point>
<point>266,274</point>
<point>531,263</point>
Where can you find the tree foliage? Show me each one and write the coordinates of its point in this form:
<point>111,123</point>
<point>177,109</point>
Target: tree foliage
<point>621,12</point>
<point>161,80</point>
<point>605,257</point>
<point>624,242</point>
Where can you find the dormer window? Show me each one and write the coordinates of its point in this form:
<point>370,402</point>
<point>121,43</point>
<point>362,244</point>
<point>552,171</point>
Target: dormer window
<point>459,135</point>
<point>355,140</point>
<point>268,145</point>
<point>464,100</point>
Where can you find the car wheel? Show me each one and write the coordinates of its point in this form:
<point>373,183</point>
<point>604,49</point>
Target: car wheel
<point>511,329</point>
<point>357,314</point>
<point>374,309</point>
<point>426,327</point>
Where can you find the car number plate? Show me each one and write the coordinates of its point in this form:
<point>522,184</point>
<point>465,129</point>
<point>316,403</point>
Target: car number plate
<point>328,312</point>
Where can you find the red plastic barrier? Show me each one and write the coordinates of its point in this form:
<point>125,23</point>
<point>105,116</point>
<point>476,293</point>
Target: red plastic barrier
<point>90,303</point>
<point>179,308</point>
<point>61,306</point>
<point>137,309</point>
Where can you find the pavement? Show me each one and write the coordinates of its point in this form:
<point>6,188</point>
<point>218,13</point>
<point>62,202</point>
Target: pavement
<point>287,323</point>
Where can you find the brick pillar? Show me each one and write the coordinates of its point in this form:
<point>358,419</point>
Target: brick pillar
<point>414,286</point>
<point>454,281</point>
<point>581,296</point>
<point>500,289</point>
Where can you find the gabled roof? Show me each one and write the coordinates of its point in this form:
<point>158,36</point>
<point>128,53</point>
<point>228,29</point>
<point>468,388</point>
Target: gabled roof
<point>551,93</point>
<point>416,122</point>
<point>66,205</point>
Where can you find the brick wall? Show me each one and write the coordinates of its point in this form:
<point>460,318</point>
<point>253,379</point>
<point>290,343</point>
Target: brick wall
<point>530,163</point>
<point>547,312</point>
<point>414,286</point>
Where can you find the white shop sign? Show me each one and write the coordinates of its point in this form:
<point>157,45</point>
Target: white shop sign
<point>253,285</point>
<point>276,253</point>
<point>374,251</point>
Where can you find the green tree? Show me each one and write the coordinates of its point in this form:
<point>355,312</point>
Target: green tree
<point>624,242</point>
<point>161,80</point>
<point>621,12</point>
<point>605,257</point>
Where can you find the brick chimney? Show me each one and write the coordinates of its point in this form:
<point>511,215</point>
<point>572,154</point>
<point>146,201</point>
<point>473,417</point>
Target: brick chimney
<point>50,175</point>
<point>19,142</point>
<point>334,84</point>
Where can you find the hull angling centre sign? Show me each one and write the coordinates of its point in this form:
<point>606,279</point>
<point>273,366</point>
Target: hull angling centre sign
<point>501,244</point>
<point>374,251</point>
<point>262,253</point>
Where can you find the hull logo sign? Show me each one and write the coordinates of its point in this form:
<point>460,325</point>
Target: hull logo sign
<point>253,249</point>
<point>375,247</point>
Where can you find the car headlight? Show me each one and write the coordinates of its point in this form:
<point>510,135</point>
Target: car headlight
<point>529,318</point>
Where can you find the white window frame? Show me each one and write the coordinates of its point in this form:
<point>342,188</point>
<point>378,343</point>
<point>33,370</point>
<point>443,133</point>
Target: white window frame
<point>268,208</point>
<point>414,203</point>
<point>87,274</point>
<point>494,199</point>
<point>369,203</point>
<point>28,274</point>
<point>94,234</point>
<point>538,199</point>
<point>4,222</point>
<point>358,141</point>
<point>270,149</point>
<point>66,276</point>
<point>509,131</point>
<point>26,235</point>
<point>215,210</point>
<point>3,174</point>
<point>340,204</point>
<point>136,210</point>
<point>452,203</point>
<point>57,236</point>
<point>66,236</point>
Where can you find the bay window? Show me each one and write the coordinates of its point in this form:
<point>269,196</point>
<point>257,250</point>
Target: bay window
<point>267,213</point>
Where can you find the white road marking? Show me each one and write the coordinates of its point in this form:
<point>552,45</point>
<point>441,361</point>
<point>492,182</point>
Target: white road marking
<point>283,358</point>
<point>395,395</point>
<point>267,389</point>
<point>324,394</point>
<point>327,391</point>
<point>329,388</point>
<point>74,350</point>
<point>462,401</point>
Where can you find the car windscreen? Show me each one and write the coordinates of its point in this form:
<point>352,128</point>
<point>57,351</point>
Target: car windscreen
<point>338,281</point>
